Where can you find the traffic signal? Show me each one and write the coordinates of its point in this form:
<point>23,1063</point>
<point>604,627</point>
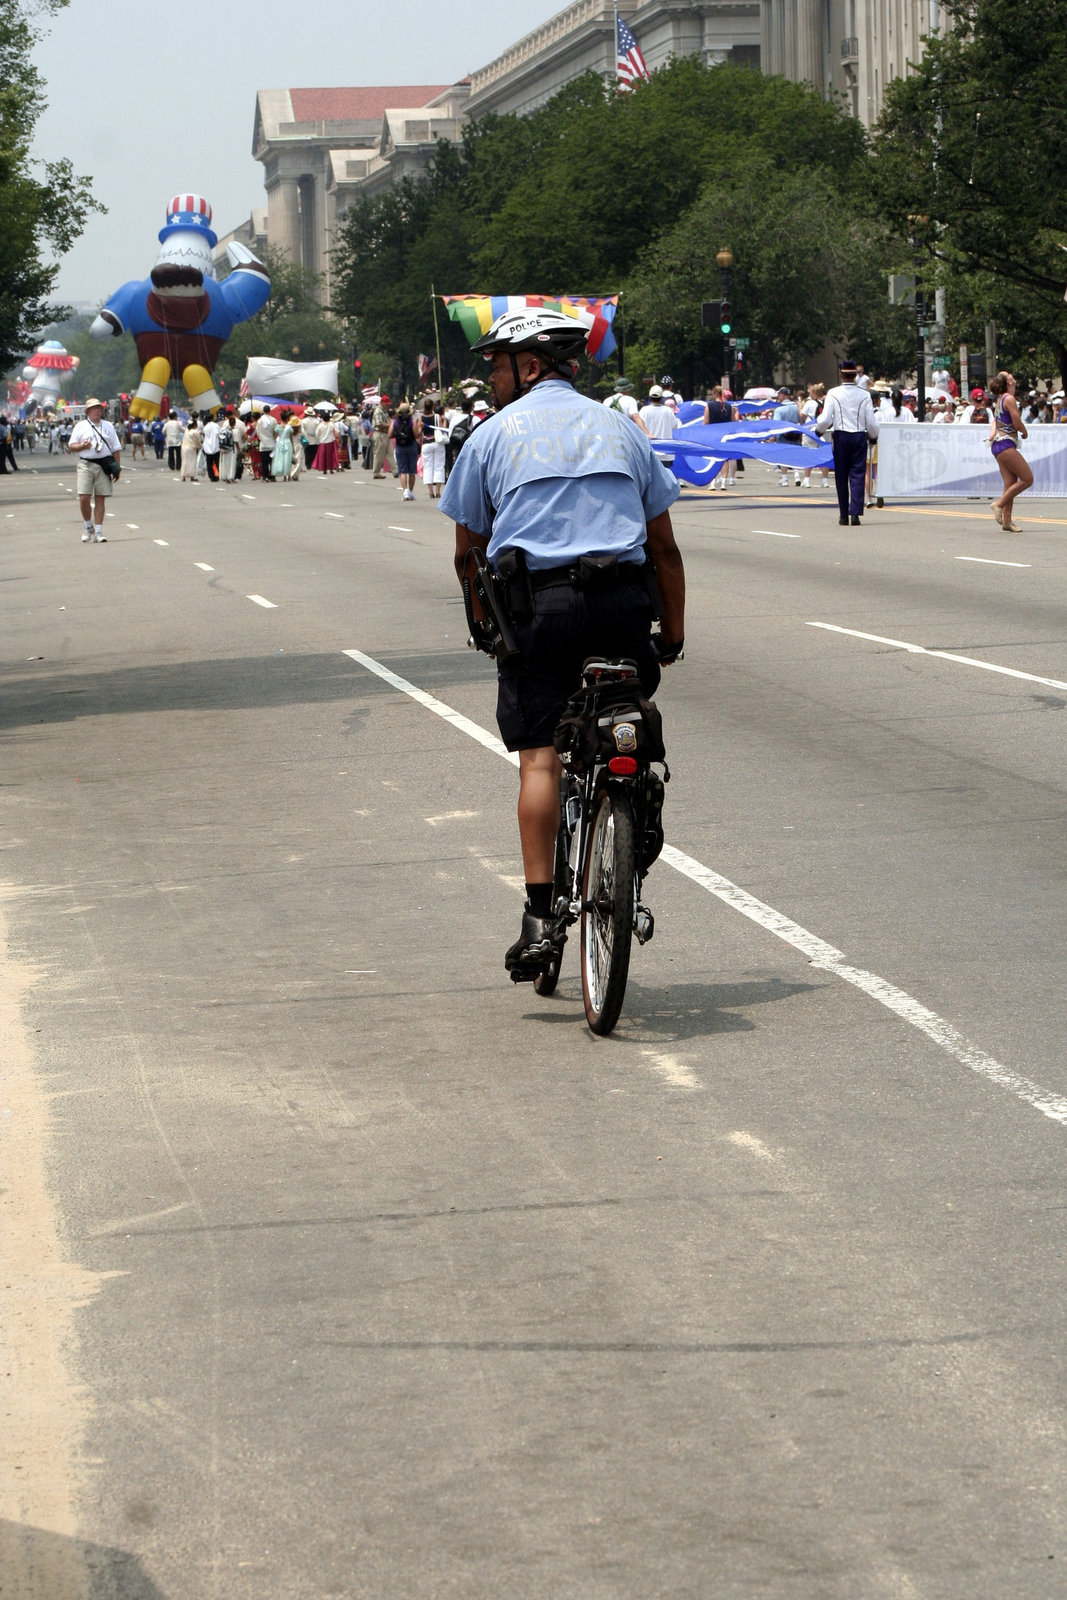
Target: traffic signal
<point>724,317</point>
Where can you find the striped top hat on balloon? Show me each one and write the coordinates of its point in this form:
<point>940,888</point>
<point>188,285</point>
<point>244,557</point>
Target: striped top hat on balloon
<point>192,212</point>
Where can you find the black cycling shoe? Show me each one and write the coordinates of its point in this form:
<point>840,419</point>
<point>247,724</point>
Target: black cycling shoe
<point>534,951</point>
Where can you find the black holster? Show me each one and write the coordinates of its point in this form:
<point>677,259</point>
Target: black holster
<point>513,578</point>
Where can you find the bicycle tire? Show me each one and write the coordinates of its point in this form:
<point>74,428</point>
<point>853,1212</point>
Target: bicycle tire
<point>607,926</point>
<point>545,982</point>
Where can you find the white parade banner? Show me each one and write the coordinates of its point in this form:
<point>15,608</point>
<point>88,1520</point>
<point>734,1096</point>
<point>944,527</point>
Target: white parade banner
<point>928,461</point>
<point>270,375</point>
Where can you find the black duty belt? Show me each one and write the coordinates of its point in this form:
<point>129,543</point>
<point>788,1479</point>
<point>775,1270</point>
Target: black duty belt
<point>576,577</point>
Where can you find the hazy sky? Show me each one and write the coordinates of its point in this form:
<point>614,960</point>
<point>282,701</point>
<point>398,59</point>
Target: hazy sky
<point>150,100</point>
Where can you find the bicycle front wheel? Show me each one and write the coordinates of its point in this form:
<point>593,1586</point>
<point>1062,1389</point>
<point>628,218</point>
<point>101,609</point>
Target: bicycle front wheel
<point>608,911</point>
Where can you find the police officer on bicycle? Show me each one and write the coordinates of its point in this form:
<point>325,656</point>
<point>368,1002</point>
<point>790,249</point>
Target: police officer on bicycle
<point>570,504</point>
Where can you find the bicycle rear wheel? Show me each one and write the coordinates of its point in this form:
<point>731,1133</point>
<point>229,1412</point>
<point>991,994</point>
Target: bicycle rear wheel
<point>608,911</point>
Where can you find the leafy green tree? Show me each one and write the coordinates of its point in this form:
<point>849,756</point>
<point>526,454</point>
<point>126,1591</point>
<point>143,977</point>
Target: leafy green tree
<point>972,142</point>
<point>609,172</point>
<point>808,271</point>
<point>576,195</point>
<point>37,212</point>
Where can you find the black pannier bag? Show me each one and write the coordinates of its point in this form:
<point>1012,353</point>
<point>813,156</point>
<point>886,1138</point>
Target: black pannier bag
<point>612,719</point>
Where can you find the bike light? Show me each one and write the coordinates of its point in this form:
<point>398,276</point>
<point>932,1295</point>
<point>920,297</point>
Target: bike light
<point>622,766</point>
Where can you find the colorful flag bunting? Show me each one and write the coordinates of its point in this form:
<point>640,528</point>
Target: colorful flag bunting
<point>476,314</point>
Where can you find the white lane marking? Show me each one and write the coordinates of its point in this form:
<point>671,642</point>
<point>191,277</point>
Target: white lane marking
<point>203,566</point>
<point>676,1075</point>
<point>772,534</point>
<point>987,561</point>
<point>259,601</point>
<point>819,953</point>
<point>394,527</point>
<point>946,655</point>
<point>248,497</point>
<point>102,1230</point>
<point>451,816</point>
<point>825,957</point>
<point>359,972</point>
<point>134,526</point>
<point>164,542</point>
<point>286,505</point>
<point>511,880</point>
<point>338,515</point>
<point>756,1147</point>
<point>438,707</point>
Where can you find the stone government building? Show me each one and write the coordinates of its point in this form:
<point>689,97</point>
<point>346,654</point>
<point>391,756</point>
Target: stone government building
<point>320,148</point>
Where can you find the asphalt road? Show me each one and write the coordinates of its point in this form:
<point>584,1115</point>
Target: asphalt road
<point>336,1265</point>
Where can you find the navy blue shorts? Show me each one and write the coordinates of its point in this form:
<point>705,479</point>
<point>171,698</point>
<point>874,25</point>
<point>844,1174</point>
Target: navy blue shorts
<point>568,625</point>
<point>407,459</point>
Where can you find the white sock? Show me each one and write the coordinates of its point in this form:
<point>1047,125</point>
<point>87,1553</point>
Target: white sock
<point>98,527</point>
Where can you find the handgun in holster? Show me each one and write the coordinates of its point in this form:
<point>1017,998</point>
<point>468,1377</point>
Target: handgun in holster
<point>492,631</point>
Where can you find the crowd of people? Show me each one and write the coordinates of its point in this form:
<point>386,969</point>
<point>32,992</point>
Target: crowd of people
<point>47,431</point>
<point>406,441</point>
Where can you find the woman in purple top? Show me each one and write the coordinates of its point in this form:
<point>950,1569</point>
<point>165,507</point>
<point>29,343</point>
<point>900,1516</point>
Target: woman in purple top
<point>1005,431</point>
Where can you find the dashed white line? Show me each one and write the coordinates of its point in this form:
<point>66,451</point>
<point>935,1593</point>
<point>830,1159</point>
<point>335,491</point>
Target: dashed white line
<point>203,566</point>
<point>678,1076</point>
<point>773,534</point>
<point>259,601</point>
<point>987,561</point>
<point>339,516</point>
<point>395,528</point>
<point>135,527</point>
<point>820,954</point>
<point>248,497</point>
<point>756,1147</point>
<point>945,655</point>
<point>164,542</point>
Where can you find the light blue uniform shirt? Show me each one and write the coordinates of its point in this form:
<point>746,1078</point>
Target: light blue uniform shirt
<point>559,476</point>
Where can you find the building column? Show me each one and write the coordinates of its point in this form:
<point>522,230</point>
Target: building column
<point>809,43</point>
<point>283,218</point>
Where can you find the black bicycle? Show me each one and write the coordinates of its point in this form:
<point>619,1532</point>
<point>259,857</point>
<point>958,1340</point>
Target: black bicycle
<point>610,831</point>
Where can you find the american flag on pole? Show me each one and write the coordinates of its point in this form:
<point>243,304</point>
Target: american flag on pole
<point>630,63</point>
<point>426,366</point>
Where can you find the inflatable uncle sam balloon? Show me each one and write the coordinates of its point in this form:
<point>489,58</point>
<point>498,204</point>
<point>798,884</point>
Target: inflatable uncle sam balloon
<point>179,316</point>
<point>47,368</point>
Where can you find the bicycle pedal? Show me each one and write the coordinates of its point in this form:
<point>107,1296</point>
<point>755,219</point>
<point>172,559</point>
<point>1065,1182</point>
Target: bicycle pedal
<point>525,974</point>
<point>644,924</point>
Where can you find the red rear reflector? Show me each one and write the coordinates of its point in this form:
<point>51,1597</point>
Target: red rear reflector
<point>623,766</point>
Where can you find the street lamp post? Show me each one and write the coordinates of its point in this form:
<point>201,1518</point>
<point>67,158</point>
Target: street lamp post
<point>724,260</point>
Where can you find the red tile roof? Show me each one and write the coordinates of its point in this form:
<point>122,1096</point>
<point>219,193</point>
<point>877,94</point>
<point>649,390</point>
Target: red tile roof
<point>345,105</point>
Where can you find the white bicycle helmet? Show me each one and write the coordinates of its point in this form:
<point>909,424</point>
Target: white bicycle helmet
<point>558,339</point>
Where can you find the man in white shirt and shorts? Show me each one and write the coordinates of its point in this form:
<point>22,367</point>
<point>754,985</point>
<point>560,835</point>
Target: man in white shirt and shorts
<point>94,440</point>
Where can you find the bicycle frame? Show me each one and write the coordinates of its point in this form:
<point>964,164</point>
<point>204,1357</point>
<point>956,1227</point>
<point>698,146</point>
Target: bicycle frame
<point>579,796</point>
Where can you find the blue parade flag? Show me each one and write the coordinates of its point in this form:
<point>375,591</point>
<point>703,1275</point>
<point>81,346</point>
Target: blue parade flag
<point>699,452</point>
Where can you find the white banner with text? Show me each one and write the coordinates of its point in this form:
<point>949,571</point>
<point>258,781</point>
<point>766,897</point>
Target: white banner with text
<point>919,461</point>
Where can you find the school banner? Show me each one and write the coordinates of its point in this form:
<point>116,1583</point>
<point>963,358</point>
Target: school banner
<point>929,461</point>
